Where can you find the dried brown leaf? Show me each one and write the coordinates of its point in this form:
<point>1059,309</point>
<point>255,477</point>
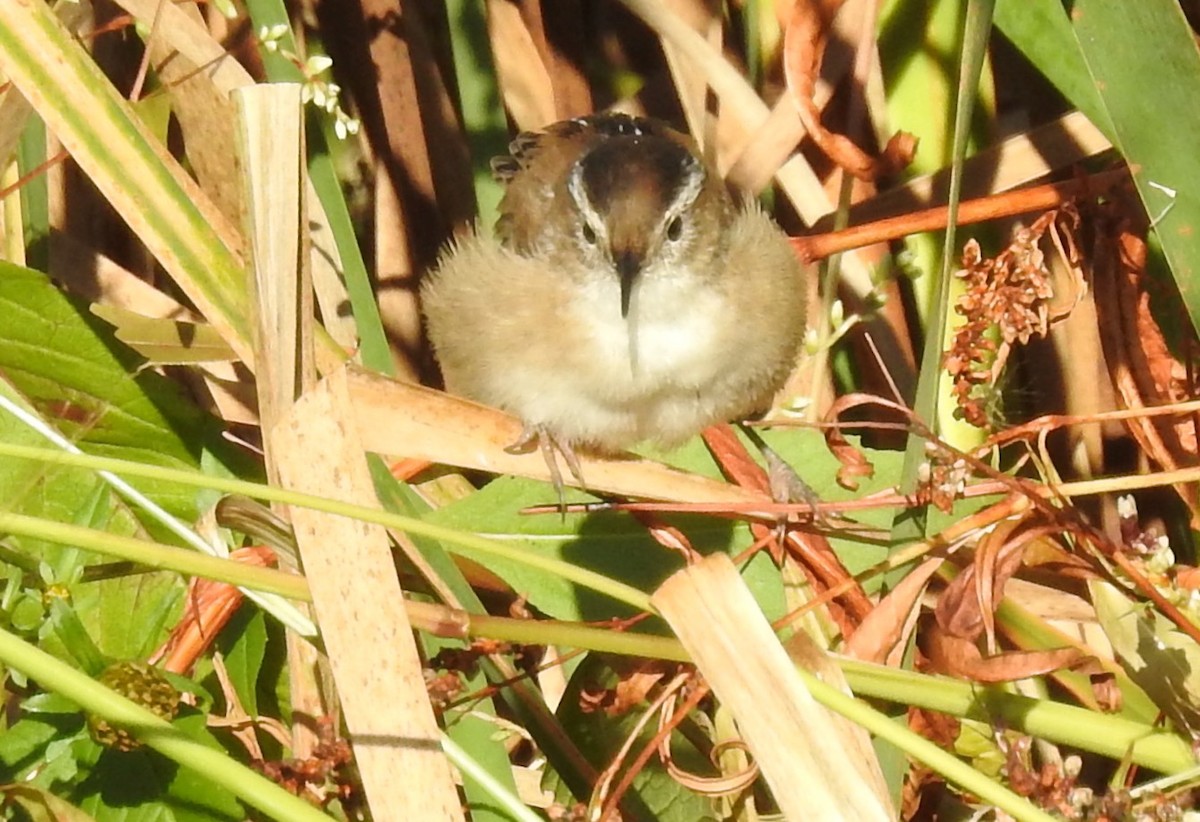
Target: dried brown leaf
<point>1143,370</point>
<point>961,658</point>
<point>804,44</point>
<point>633,687</point>
<point>854,462</point>
<point>967,606</point>
<point>889,623</point>
<point>733,458</point>
<point>939,728</point>
<point>522,74</point>
<point>402,419</point>
<point>668,536</point>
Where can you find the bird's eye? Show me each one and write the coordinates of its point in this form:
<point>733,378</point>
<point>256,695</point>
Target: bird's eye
<point>589,234</point>
<point>675,229</point>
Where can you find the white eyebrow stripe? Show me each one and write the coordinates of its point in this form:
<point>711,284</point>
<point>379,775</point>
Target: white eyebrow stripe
<point>693,181</point>
<point>575,188</point>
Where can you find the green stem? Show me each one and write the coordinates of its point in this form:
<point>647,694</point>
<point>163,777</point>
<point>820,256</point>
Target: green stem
<point>213,765</point>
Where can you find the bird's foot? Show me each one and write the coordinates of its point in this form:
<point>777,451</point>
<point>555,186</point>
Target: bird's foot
<point>787,487</point>
<point>551,447</point>
<point>784,483</point>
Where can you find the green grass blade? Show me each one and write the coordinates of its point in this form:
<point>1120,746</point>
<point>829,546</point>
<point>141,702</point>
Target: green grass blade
<point>1154,123</point>
<point>214,765</point>
<point>374,350</point>
<point>144,184</point>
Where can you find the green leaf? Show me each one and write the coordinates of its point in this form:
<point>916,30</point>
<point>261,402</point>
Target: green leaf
<point>162,792</point>
<point>71,369</point>
<point>655,795</point>
<point>1159,657</point>
<point>479,96</point>
<point>1041,30</point>
<point>23,743</point>
<point>43,806</point>
<point>74,636</point>
<point>66,367</point>
<point>618,546</point>
<point>243,644</point>
<point>807,452</point>
<point>1153,123</point>
<point>611,544</point>
<point>125,616</point>
<point>166,342</point>
<point>145,185</point>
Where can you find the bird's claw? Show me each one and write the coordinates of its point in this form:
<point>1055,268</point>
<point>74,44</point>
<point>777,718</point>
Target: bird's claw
<point>551,447</point>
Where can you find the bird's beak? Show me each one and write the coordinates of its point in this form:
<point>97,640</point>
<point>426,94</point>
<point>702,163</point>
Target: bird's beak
<point>629,265</point>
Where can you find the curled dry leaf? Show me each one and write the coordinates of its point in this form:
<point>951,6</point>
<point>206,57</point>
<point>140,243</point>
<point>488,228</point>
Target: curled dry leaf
<point>634,686</point>
<point>668,536</point>
<point>1143,370</point>
<point>816,556</point>
<point>967,607</point>
<point>724,785</point>
<point>920,783</point>
<point>939,728</point>
<point>732,757</point>
<point>1107,691</point>
<point>962,658</point>
<point>885,630</point>
<point>804,43</point>
<point>854,463</point>
<point>210,605</point>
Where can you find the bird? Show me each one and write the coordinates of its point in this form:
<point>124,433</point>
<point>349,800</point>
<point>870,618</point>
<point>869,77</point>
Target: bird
<point>624,296</point>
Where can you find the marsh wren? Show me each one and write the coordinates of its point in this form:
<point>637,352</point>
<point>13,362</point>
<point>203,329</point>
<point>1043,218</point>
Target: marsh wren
<point>625,295</point>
